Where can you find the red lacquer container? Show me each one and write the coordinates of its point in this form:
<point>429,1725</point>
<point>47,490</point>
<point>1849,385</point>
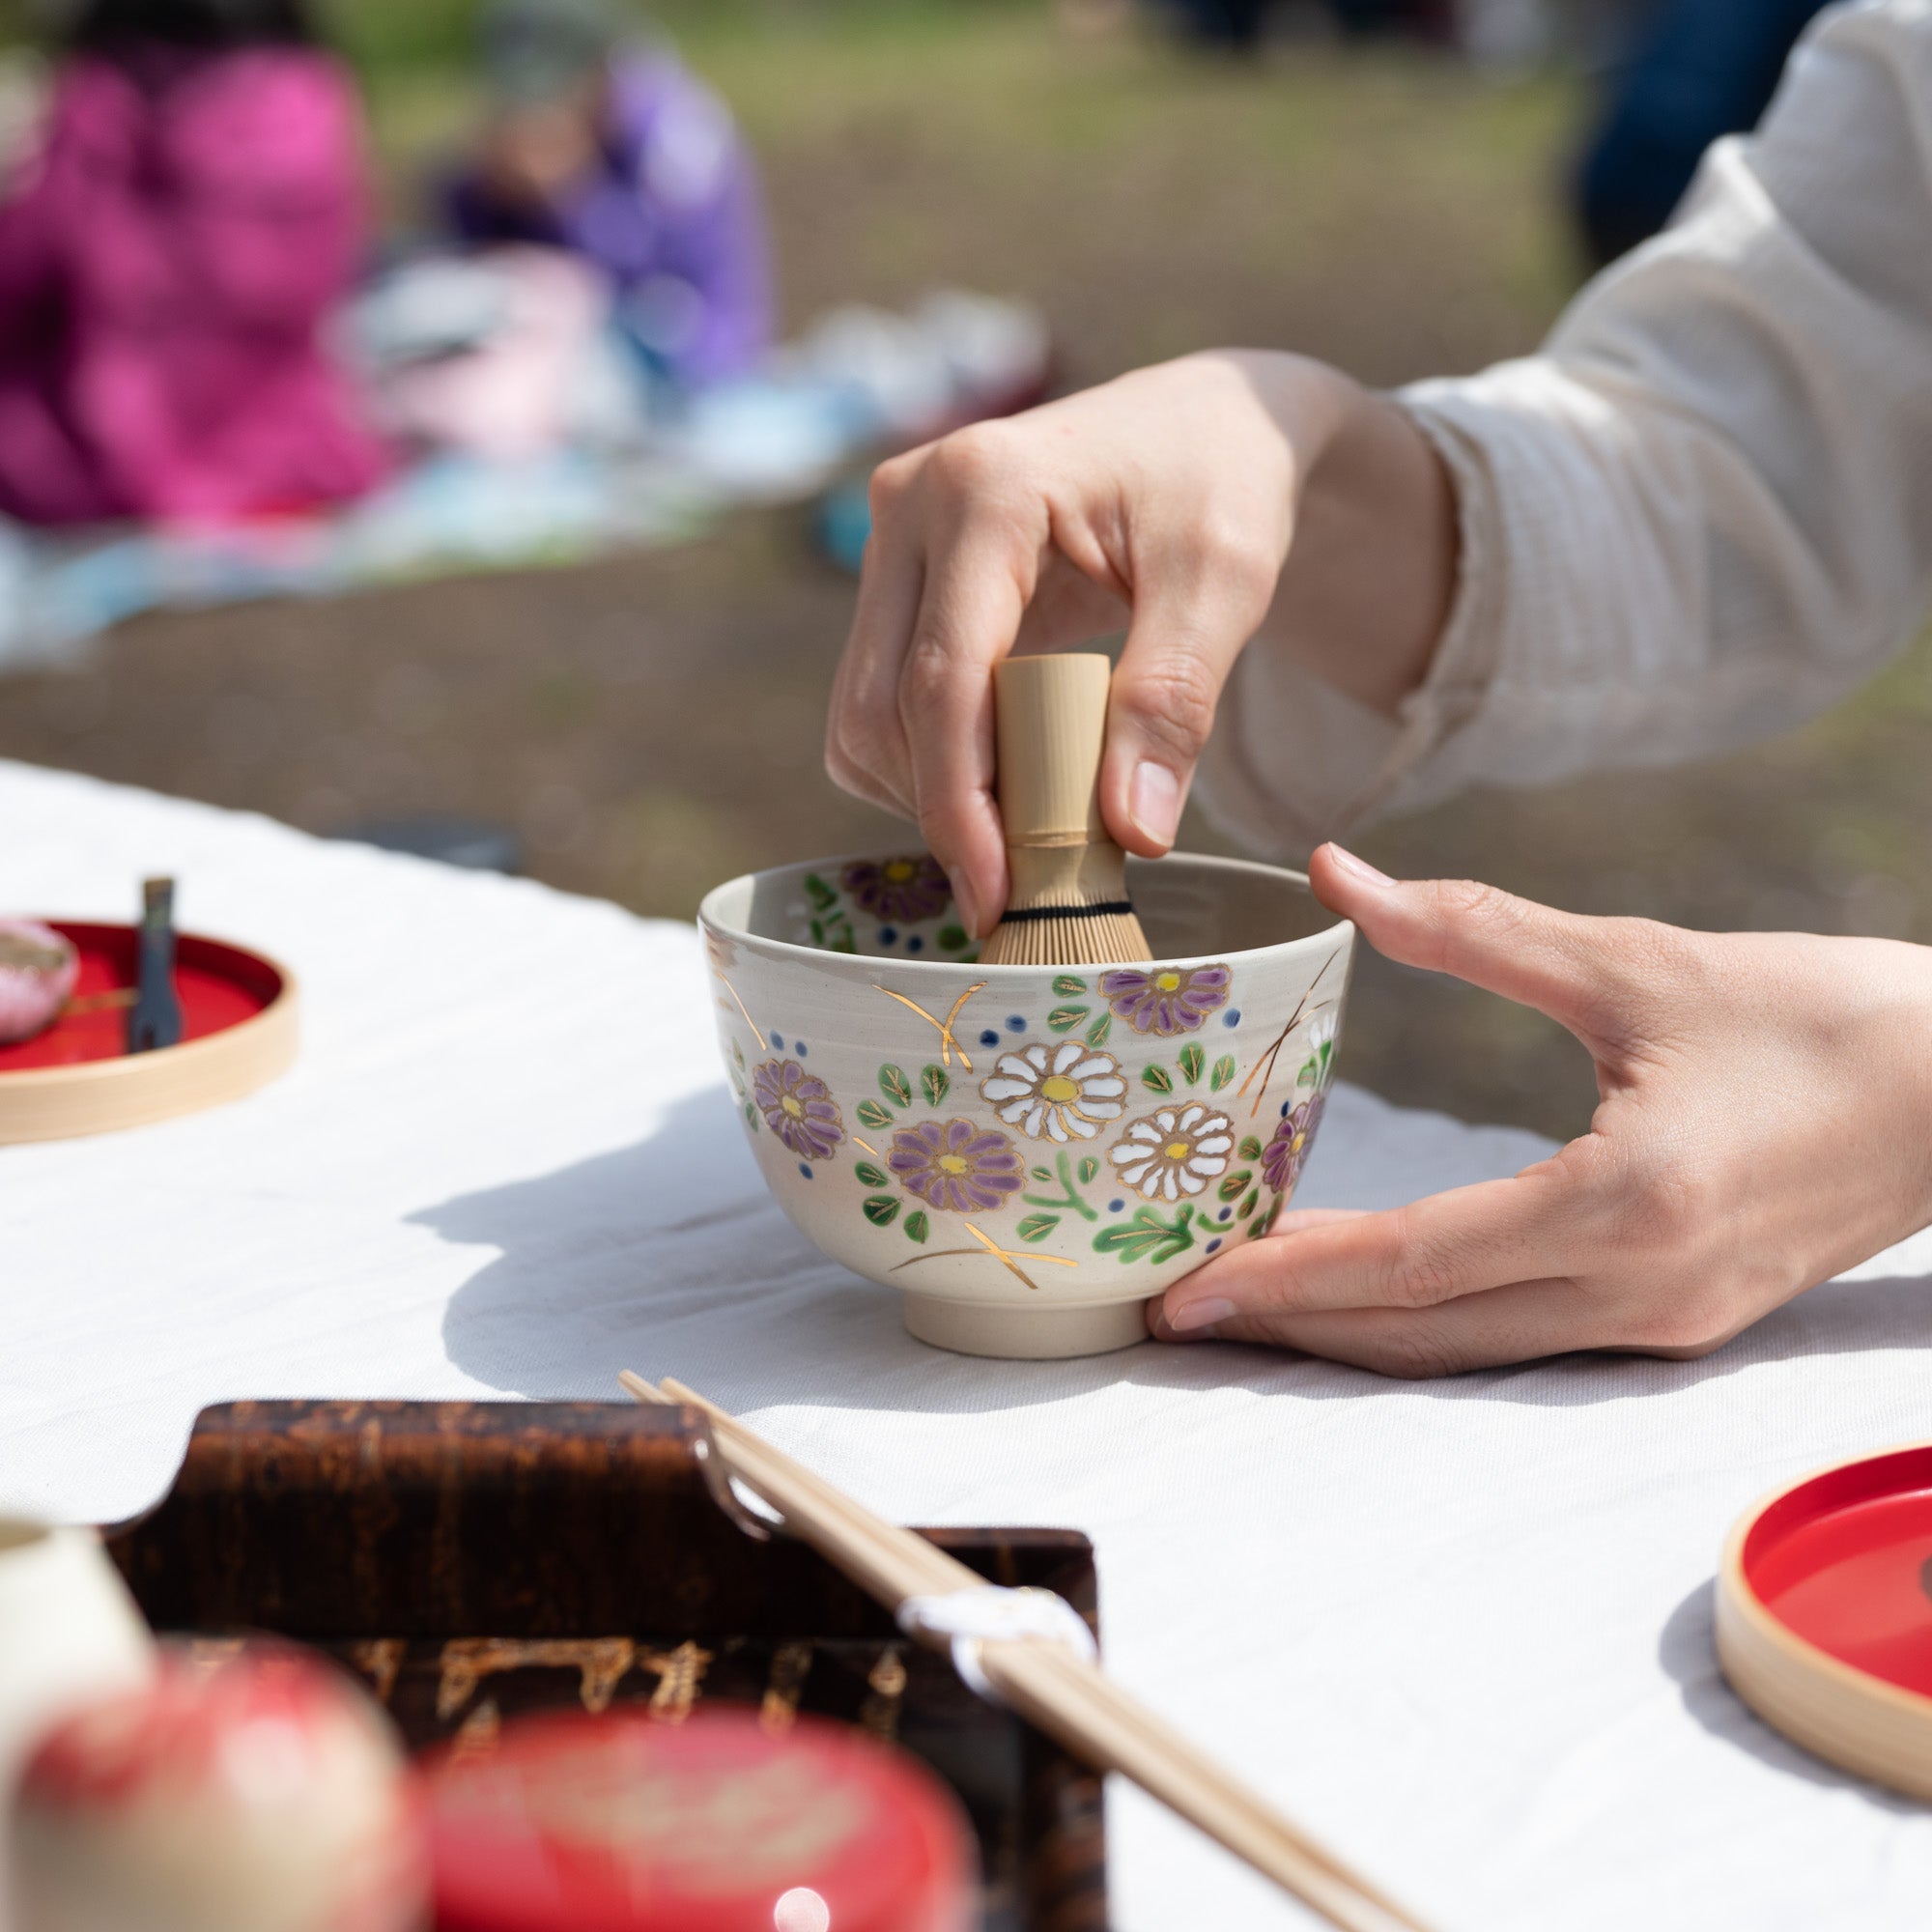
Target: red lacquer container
<point>623,1824</point>
<point>1823,1615</point>
<point>238,1027</point>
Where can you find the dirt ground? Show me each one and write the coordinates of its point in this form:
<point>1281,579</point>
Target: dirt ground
<point>651,724</point>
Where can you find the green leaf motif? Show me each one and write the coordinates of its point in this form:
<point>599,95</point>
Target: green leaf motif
<point>881,1209</point>
<point>1096,1033</point>
<point>950,939</point>
<point>934,1082</point>
<point>894,1086</point>
<point>1224,1071</point>
<point>751,1116</point>
<point>1192,1060</point>
<point>1088,1168</point>
<point>1250,1147</point>
<point>738,1053</point>
<point>872,1176</point>
<point>819,893</point>
<point>1237,1183</point>
<point>1247,1206</point>
<point>1311,1071</point>
<point>1063,1019</point>
<point>1147,1236</point>
<point>1066,984</point>
<point>1038,1226</point>
<point>1158,1078</point>
<point>872,1115</point>
<point>916,1225</point>
<point>819,933</point>
<point>845,941</point>
<point>1068,1198</point>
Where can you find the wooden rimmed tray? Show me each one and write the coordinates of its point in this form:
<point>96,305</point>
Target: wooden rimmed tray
<point>239,1032</point>
<point>1823,1615</point>
<point>476,1560</point>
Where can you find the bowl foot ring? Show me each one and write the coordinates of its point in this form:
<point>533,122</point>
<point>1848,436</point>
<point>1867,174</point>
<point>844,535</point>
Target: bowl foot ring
<point>1025,1334</point>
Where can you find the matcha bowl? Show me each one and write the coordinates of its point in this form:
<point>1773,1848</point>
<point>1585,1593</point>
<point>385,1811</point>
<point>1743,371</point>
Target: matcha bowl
<point>1027,1153</point>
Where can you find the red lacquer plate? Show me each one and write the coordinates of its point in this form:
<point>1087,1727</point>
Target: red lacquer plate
<point>571,1823</point>
<point>239,1029</point>
<point>1825,1615</point>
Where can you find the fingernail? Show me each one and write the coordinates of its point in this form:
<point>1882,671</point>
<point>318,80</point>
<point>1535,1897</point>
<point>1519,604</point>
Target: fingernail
<point>1358,869</point>
<point>1154,802</point>
<point>963,901</point>
<point>1202,1314</point>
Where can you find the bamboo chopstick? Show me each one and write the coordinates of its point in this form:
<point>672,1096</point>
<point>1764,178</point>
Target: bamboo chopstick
<point>1060,1692</point>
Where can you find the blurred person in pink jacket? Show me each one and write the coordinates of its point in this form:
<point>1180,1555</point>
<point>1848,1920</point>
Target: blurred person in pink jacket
<point>194,209</point>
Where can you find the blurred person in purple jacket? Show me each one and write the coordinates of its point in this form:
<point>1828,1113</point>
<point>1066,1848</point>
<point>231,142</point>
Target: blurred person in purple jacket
<point>615,151</point>
<point>193,208</point>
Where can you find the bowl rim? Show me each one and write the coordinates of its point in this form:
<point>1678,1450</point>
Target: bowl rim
<point>1342,931</point>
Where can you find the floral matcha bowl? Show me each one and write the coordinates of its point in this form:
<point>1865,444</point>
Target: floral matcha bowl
<point>1028,1154</point>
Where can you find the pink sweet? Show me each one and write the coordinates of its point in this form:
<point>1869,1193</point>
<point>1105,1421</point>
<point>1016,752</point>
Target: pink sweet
<point>37,969</point>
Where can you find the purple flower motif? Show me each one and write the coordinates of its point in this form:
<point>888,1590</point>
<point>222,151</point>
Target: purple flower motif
<point>1166,1000</point>
<point>798,1107</point>
<point>1287,1155</point>
<point>959,1165</point>
<point>899,891</point>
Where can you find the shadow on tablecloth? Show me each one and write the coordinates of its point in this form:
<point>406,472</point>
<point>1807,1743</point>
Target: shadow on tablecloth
<point>669,1257</point>
<point>1687,1652</point>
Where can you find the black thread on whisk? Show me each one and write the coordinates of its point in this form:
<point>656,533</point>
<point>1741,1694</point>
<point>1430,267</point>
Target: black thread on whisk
<point>1108,908</point>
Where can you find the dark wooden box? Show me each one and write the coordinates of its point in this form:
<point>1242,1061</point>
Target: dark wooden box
<point>473,1560</point>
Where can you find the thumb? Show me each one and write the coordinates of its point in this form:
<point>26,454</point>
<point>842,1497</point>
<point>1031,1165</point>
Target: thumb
<point>1582,972</point>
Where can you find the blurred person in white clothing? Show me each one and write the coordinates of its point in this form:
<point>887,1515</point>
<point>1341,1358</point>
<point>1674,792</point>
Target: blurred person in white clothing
<point>1703,513</point>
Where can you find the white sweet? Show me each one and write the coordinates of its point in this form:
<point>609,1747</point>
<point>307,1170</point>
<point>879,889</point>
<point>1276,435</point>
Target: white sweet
<point>263,1795</point>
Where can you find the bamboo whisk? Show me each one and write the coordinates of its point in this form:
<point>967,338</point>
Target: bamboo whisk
<point>1067,904</point>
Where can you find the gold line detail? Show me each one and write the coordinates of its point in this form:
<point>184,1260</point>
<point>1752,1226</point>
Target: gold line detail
<point>1268,1058</point>
<point>1008,1258</point>
<point>791,1663</point>
<point>756,1033</point>
<point>949,1040</point>
<point>680,1674</point>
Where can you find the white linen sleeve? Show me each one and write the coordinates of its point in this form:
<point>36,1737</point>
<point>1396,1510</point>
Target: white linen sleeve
<point>1702,514</point>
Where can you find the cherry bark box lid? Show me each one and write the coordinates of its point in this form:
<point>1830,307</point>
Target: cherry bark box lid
<point>1823,1615</point>
<point>239,1013</point>
<point>478,1562</point>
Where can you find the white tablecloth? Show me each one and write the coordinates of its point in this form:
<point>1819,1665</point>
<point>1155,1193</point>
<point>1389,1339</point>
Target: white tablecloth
<point>1463,1629</point>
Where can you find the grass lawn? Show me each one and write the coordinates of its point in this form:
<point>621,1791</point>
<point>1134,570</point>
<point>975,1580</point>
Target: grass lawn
<point>651,724</point>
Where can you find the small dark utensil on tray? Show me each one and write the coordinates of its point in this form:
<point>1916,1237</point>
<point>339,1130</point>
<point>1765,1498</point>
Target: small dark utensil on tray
<point>156,1016</point>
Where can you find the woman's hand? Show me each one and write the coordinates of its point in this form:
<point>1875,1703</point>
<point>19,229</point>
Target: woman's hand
<point>1164,502</point>
<point>1766,1123</point>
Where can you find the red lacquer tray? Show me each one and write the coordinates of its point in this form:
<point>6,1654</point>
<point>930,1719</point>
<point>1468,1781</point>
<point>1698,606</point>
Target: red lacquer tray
<point>1825,1615</point>
<point>239,1029</point>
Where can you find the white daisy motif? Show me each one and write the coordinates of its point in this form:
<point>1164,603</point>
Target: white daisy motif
<point>1060,1093</point>
<point>1176,1151</point>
